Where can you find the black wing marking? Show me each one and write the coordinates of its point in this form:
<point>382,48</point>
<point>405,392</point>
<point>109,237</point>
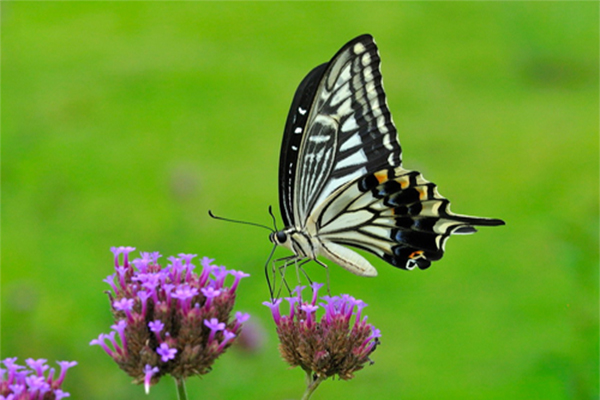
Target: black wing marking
<point>339,128</point>
<point>397,215</point>
<point>288,158</point>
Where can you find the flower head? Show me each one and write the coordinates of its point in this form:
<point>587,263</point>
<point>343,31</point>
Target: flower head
<point>169,320</point>
<point>36,382</point>
<point>334,344</point>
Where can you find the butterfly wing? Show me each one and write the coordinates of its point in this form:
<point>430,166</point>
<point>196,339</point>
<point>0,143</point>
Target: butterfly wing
<point>340,175</point>
<point>395,214</point>
<point>339,128</point>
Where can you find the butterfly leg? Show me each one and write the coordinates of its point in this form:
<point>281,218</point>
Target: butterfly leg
<point>300,269</point>
<point>279,271</point>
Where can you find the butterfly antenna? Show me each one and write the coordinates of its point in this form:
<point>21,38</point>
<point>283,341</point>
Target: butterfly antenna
<point>238,222</point>
<point>273,217</point>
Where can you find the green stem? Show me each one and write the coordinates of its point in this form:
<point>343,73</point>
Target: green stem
<point>180,384</point>
<point>312,382</point>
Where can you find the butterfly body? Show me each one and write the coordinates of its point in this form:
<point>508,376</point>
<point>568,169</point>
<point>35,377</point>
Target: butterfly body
<point>341,180</point>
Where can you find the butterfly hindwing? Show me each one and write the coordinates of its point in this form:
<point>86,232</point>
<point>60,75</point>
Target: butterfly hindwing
<point>395,214</point>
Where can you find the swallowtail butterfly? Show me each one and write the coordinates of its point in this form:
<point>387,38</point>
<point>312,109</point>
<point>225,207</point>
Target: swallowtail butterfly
<point>341,180</point>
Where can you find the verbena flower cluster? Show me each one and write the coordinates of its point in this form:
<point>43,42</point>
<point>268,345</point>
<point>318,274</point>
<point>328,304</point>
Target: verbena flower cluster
<point>338,343</point>
<point>169,320</point>
<point>37,382</point>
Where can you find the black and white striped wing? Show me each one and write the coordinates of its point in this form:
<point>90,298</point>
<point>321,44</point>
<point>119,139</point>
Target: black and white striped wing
<point>339,128</point>
<point>395,214</point>
<point>341,180</point>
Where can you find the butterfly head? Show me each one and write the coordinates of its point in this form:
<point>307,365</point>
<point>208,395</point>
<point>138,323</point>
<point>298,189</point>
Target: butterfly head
<point>279,238</point>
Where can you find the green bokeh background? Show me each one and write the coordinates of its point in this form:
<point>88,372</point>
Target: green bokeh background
<point>123,123</point>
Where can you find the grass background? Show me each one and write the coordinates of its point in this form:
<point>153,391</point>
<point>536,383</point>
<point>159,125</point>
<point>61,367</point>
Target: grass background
<point>123,123</point>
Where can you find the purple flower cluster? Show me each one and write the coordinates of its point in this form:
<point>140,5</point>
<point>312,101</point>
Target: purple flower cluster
<point>20,383</point>
<point>338,343</point>
<point>169,320</point>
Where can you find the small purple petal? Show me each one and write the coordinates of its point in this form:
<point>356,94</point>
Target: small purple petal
<point>240,318</point>
<point>298,291</point>
<point>220,274</point>
<point>292,301</point>
<point>207,268</point>
<point>124,304</point>
<point>210,292</point>
<point>149,371</point>
<point>238,275</point>
<point>156,326</point>
<point>37,383</point>
<point>214,325</point>
<point>315,287</point>
<point>309,309</point>
<point>359,307</point>
<point>59,394</point>
<point>116,251</point>
<point>39,366</point>
<point>274,306</point>
<point>165,352</point>
<point>143,295</point>
<point>111,281</point>
<point>126,251</point>
<point>64,366</point>
<point>227,337</point>
<point>185,292</point>
<point>119,327</point>
<point>100,341</point>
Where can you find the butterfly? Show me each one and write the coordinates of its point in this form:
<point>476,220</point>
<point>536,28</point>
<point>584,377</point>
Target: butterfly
<point>341,180</point>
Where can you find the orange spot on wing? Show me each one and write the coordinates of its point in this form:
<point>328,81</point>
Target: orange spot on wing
<point>381,176</point>
<point>416,254</point>
<point>403,181</point>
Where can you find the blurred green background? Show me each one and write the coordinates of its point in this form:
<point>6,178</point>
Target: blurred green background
<point>123,123</point>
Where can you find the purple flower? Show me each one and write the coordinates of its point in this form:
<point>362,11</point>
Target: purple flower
<point>240,318</point>
<point>274,306</point>
<point>160,316</point>
<point>156,326</point>
<point>125,305</point>
<point>209,293</point>
<point>39,366</point>
<point>37,382</point>
<point>315,287</point>
<point>64,366</point>
<point>214,325</point>
<point>102,343</point>
<point>227,337</point>
<point>238,275</point>
<point>59,394</point>
<point>165,352</point>
<point>309,309</point>
<point>119,327</point>
<point>149,371</point>
<point>185,293</point>
<point>335,344</point>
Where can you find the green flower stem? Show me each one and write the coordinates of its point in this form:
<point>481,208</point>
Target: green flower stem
<point>312,382</point>
<point>180,384</point>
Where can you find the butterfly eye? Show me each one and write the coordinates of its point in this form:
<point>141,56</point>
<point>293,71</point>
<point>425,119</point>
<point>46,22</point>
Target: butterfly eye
<point>281,237</point>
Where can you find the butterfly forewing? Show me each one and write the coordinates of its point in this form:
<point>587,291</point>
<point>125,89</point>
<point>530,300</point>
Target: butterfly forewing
<point>339,128</point>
